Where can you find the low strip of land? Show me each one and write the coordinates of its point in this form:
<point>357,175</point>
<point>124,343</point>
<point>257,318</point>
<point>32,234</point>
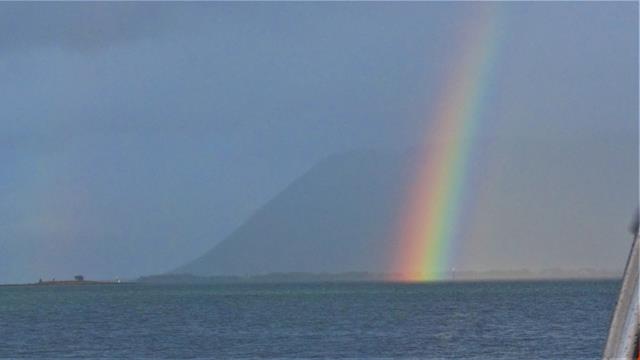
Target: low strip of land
<point>67,283</point>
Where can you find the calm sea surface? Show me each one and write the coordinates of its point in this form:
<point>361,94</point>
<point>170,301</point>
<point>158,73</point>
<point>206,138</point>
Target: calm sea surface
<point>486,320</point>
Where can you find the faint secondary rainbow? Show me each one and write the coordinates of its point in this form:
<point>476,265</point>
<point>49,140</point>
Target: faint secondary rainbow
<point>436,199</point>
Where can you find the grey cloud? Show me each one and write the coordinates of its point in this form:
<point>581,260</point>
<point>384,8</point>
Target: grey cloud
<point>86,26</point>
<point>158,128</point>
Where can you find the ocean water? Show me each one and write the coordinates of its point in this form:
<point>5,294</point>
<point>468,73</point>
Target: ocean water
<point>482,320</point>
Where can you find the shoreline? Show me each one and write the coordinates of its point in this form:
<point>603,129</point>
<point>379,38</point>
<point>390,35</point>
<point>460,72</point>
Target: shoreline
<point>66,283</point>
<point>250,280</point>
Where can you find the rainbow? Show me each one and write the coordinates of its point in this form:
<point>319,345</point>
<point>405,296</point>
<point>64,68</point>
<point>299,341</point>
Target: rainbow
<point>430,223</point>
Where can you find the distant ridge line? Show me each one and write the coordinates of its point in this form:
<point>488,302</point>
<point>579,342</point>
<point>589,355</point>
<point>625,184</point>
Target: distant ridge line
<point>460,276</point>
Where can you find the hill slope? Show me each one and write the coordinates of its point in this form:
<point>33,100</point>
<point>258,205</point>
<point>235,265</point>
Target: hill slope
<point>537,205</point>
<point>337,217</point>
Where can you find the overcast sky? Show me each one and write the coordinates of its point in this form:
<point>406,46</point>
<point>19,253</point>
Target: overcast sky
<point>133,137</point>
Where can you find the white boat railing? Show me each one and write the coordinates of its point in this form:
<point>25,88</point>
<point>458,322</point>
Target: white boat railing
<point>622,341</point>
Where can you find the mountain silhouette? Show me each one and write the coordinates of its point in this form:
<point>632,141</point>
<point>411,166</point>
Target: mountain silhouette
<point>339,216</point>
<point>537,204</point>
